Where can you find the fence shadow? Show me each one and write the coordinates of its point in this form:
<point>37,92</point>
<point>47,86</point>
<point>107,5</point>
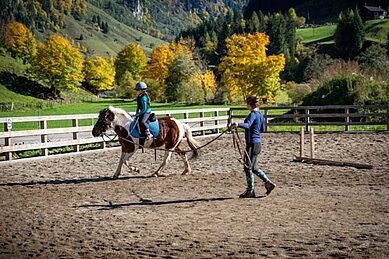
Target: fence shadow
<point>71,181</point>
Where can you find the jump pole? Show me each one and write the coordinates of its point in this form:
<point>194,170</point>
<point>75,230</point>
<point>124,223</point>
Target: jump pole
<point>312,142</point>
<point>302,142</point>
<point>313,160</point>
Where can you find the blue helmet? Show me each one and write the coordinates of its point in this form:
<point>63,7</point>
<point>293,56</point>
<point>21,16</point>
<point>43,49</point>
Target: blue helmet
<point>140,86</point>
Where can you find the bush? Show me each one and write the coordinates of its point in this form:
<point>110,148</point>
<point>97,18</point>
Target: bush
<point>316,65</point>
<point>297,92</point>
<point>374,60</point>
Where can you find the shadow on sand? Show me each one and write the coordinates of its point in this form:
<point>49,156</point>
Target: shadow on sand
<point>71,181</point>
<point>145,202</point>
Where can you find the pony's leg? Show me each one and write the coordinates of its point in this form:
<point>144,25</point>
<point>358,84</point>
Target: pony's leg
<point>119,169</point>
<point>127,162</point>
<point>166,159</point>
<point>184,158</point>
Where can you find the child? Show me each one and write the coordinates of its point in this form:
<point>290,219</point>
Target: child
<point>143,108</point>
<point>253,125</point>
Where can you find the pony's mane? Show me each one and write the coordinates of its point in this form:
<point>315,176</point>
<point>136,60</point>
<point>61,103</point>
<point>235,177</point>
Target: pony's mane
<point>122,118</point>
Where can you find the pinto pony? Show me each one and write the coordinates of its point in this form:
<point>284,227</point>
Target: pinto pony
<point>171,134</point>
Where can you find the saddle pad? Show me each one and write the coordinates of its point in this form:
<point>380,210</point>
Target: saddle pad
<point>134,132</point>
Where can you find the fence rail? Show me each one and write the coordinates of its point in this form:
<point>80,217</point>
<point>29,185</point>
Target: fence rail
<point>203,122</point>
<point>330,115</point>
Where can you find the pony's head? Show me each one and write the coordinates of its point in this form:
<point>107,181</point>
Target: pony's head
<point>110,118</point>
<point>103,123</point>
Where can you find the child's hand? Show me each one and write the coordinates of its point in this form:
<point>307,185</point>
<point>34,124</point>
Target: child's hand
<point>232,126</point>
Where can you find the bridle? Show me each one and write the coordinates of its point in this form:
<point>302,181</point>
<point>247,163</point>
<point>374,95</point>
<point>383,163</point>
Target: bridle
<point>106,123</point>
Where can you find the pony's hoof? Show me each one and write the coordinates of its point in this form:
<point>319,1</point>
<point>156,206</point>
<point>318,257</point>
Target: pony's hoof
<point>186,172</point>
<point>154,175</point>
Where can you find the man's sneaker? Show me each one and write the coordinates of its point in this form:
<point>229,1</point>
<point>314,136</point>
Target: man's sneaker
<point>269,187</point>
<point>248,194</point>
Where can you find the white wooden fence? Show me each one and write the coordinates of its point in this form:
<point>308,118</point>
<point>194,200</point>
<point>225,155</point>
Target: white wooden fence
<point>202,121</point>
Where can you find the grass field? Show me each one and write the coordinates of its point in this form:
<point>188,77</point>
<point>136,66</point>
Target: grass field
<point>376,30</point>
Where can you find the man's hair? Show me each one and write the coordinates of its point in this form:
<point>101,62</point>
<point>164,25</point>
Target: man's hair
<point>253,100</point>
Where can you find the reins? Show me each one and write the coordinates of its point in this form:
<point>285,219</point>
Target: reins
<point>237,142</point>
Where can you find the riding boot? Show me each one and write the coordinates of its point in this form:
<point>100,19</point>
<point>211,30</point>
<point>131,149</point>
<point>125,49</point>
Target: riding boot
<point>248,194</point>
<point>269,187</point>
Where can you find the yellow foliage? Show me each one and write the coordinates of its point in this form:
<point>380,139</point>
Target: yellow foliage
<point>184,46</point>
<point>99,73</point>
<point>207,81</point>
<point>131,59</point>
<point>19,40</point>
<point>248,70</point>
<point>160,59</point>
<point>58,63</point>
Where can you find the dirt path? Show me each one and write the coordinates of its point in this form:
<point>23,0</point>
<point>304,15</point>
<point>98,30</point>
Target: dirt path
<point>69,208</point>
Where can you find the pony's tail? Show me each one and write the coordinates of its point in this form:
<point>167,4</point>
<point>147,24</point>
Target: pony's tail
<point>191,142</point>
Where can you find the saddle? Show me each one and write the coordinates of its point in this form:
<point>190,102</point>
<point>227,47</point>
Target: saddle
<point>153,125</point>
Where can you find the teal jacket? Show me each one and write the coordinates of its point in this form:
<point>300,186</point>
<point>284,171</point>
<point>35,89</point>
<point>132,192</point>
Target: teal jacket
<point>143,104</point>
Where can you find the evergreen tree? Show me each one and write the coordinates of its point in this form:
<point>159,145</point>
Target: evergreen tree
<point>290,36</point>
<point>349,34</point>
<point>253,23</point>
<point>276,29</point>
<point>94,19</point>
<point>98,20</point>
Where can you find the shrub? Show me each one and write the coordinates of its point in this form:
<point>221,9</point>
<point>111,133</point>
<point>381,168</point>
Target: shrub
<point>297,92</point>
<point>374,60</point>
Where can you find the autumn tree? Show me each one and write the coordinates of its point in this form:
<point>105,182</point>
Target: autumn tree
<point>59,64</point>
<point>208,84</point>
<point>246,69</point>
<point>99,74</point>
<point>157,69</point>
<point>19,41</point>
<point>131,61</point>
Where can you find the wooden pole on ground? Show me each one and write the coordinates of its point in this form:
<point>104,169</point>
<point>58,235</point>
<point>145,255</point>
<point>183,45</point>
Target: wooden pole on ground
<point>312,142</point>
<point>302,142</point>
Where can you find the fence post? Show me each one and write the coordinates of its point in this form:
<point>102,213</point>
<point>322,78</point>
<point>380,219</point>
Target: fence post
<point>43,125</point>
<point>387,118</point>
<point>216,113</point>
<point>230,114</point>
<point>202,123</point>
<point>347,120</point>
<point>76,148</point>
<point>186,116</point>
<point>7,143</point>
<point>266,111</point>
<point>312,140</point>
<point>302,141</point>
<point>307,119</point>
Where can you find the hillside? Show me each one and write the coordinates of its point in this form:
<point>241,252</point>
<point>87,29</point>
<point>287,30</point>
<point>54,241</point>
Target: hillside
<point>101,43</point>
<point>375,31</point>
<point>316,11</point>
<point>147,22</point>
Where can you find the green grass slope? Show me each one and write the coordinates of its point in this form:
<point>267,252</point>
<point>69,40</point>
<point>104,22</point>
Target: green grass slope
<point>376,30</point>
<point>95,41</point>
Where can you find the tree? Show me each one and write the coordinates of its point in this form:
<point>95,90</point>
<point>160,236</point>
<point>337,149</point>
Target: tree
<point>181,83</point>
<point>99,74</point>
<point>157,69</point>
<point>254,24</point>
<point>349,34</point>
<point>19,41</point>
<point>248,70</point>
<point>208,84</point>
<point>59,64</point>
<point>131,59</point>
<point>276,29</point>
